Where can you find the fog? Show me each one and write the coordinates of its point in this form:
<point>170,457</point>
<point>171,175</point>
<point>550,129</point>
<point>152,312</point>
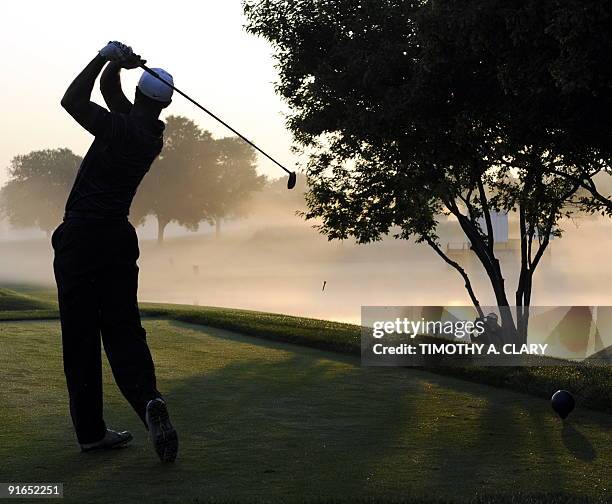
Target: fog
<point>274,261</point>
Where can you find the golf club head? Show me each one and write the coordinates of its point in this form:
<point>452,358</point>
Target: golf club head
<point>292,180</point>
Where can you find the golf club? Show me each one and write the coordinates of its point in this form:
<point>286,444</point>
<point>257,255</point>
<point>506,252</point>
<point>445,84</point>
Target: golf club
<point>292,175</point>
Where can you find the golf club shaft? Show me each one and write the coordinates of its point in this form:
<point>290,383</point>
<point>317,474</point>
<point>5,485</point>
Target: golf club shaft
<point>155,74</point>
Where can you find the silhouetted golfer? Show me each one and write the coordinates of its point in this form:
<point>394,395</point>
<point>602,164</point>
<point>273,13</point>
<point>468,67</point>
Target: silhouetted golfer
<point>96,250</point>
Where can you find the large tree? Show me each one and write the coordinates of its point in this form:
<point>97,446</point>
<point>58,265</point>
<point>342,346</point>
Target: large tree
<point>382,97</point>
<point>233,182</point>
<point>196,179</point>
<point>38,186</point>
<point>173,190</point>
<point>527,71</point>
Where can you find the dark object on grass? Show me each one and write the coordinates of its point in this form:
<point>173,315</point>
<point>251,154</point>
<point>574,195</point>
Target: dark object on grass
<point>492,334</point>
<point>292,175</point>
<point>563,403</point>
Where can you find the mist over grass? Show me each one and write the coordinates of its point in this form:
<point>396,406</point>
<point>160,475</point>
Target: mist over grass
<point>273,261</point>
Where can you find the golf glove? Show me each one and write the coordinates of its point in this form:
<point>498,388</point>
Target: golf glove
<point>120,54</point>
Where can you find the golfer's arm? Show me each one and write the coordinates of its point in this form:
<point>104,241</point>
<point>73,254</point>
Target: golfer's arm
<point>110,85</point>
<point>77,98</point>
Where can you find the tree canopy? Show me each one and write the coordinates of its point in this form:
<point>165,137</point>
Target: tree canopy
<point>174,190</point>
<point>196,179</point>
<point>234,180</point>
<point>38,186</point>
<point>551,60</point>
<point>405,121</point>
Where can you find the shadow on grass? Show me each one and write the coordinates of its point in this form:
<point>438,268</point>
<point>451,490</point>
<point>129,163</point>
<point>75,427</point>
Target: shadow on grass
<point>273,421</point>
<point>577,443</point>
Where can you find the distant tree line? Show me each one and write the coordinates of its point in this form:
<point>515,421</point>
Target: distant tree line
<point>195,179</point>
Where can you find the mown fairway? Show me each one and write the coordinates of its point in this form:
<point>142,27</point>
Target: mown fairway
<point>266,420</point>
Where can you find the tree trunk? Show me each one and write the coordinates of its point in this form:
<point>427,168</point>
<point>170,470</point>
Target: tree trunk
<point>218,227</point>
<point>508,325</point>
<point>493,270</point>
<point>161,226</point>
<point>524,319</point>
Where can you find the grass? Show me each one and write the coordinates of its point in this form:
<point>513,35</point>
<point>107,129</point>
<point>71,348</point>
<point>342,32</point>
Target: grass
<point>262,420</point>
<point>11,300</point>
<point>322,334</point>
<point>592,384</point>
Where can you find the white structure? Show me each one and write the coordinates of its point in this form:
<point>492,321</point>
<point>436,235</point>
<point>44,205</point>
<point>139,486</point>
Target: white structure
<point>499,222</point>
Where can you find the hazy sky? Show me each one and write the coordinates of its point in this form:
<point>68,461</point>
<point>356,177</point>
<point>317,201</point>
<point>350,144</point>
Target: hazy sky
<point>203,44</point>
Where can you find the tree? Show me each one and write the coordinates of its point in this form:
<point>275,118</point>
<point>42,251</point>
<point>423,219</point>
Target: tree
<point>382,96</point>
<point>38,187</point>
<point>553,61</point>
<point>196,179</point>
<point>548,62</point>
<point>174,188</point>
<point>233,182</point>
<point>509,72</point>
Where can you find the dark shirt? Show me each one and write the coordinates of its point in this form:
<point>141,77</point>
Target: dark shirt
<point>116,162</point>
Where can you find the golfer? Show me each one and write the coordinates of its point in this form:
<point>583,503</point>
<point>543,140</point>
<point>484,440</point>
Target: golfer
<point>96,250</point>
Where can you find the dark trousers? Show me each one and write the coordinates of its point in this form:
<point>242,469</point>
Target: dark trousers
<point>97,281</point>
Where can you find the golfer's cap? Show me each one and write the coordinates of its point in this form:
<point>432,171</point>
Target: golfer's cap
<point>154,88</point>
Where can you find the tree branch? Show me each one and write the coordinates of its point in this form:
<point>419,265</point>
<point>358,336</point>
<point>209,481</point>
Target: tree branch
<point>586,182</point>
<point>457,266</point>
<point>487,214</point>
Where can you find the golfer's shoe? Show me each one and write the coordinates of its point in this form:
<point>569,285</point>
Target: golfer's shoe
<point>110,441</point>
<point>162,433</point>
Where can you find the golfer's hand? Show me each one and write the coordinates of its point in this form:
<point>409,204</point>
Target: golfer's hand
<point>121,55</point>
<point>112,51</point>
